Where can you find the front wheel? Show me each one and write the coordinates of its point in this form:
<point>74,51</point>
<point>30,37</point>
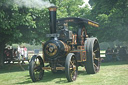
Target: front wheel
<point>71,67</point>
<point>35,68</point>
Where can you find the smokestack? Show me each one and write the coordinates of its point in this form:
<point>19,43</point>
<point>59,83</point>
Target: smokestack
<point>52,13</point>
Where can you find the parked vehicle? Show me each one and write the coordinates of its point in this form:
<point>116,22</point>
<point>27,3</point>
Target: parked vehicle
<point>66,50</point>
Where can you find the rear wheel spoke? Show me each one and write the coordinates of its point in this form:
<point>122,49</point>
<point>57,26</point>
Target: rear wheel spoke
<point>96,59</point>
<point>96,50</point>
<point>95,65</point>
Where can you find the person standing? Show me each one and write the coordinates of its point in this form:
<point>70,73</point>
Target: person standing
<point>117,56</point>
<point>19,52</point>
<point>122,53</point>
<point>22,54</point>
<point>25,52</point>
<point>108,55</point>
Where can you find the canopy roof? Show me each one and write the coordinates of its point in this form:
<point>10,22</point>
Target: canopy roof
<point>78,21</point>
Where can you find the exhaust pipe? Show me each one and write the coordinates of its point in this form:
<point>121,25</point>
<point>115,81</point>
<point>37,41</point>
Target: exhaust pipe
<point>52,13</point>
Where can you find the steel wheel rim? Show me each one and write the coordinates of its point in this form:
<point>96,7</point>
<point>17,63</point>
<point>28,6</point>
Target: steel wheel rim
<point>37,69</point>
<point>96,56</point>
<point>73,69</point>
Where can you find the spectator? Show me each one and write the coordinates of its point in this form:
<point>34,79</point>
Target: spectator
<point>22,54</point>
<point>19,52</point>
<point>126,53</point>
<point>116,54</point>
<point>15,53</point>
<point>122,53</point>
<point>25,52</point>
<point>108,54</point>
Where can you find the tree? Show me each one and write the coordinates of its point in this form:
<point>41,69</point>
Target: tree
<point>19,25</point>
<point>112,17</point>
<point>68,8</point>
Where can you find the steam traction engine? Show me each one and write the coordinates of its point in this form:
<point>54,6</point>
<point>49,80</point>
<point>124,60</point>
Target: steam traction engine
<point>66,50</point>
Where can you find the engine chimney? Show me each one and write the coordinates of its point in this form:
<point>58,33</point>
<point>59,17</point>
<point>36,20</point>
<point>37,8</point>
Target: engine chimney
<point>52,13</point>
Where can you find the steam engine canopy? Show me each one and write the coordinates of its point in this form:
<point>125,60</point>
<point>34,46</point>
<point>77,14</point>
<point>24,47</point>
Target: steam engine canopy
<point>55,48</point>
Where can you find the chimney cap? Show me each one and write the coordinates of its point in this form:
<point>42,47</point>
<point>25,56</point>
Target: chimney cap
<point>52,8</point>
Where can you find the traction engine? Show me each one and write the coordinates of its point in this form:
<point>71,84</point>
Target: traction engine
<point>66,50</point>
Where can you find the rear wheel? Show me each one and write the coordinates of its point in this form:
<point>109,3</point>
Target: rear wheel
<point>71,68</point>
<point>35,68</point>
<point>92,48</point>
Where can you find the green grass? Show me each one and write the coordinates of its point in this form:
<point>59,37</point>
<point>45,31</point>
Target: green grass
<point>114,73</point>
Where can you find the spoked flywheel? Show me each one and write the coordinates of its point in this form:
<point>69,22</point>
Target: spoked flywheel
<point>35,68</point>
<point>92,48</point>
<point>71,67</point>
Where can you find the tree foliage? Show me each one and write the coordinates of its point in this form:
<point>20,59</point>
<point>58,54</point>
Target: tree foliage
<point>112,17</point>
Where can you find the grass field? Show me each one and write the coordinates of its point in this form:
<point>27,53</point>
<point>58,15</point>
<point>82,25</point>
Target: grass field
<point>114,73</point>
